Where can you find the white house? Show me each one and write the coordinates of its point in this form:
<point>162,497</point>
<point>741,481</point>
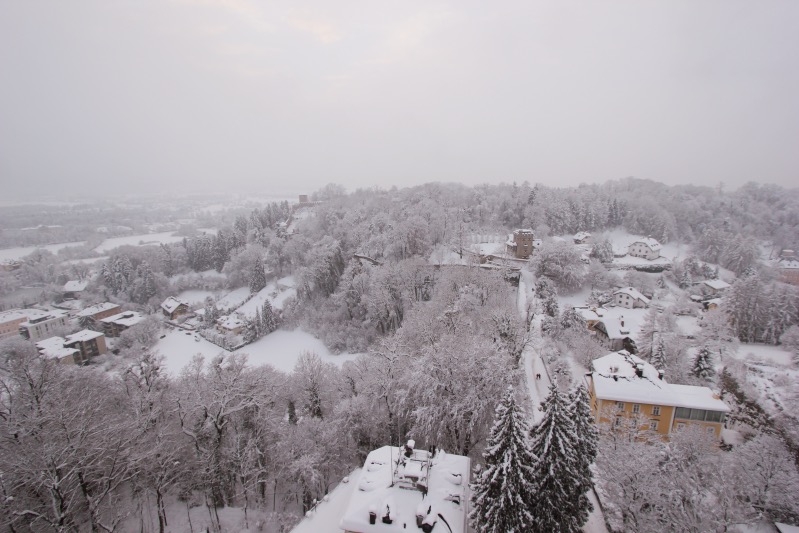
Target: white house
<point>647,248</point>
<point>404,489</point>
<point>614,333</point>
<point>582,237</point>
<point>73,288</point>
<point>630,298</point>
<point>42,324</point>
<point>714,287</point>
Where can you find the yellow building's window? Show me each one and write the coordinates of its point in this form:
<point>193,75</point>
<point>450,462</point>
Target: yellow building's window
<point>620,406</point>
<point>656,410</point>
<point>653,425</point>
<point>636,408</point>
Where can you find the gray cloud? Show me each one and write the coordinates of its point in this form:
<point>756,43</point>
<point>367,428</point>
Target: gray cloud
<point>220,94</point>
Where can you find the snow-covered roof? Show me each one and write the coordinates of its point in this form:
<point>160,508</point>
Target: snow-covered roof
<point>785,528</point>
<point>75,285</point>
<point>53,348</point>
<point>171,304</point>
<point>522,232</point>
<point>229,322</point>
<point>35,316</point>
<point>616,378</point>
<point>716,284</point>
<point>590,313</point>
<point>386,483</point>
<point>648,241</point>
<point>581,236</point>
<point>13,314</point>
<point>788,263</point>
<point>614,329</point>
<point>126,318</point>
<point>83,336</point>
<point>632,293</point>
<point>697,398</point>
<point>97,308</point>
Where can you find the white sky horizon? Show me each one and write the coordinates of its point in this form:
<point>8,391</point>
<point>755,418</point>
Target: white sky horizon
<point>240,95</point>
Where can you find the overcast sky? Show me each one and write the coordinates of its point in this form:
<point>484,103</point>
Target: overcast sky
<point>283,97</point>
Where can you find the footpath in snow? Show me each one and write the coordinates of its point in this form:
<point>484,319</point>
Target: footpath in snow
<point>539,388</point>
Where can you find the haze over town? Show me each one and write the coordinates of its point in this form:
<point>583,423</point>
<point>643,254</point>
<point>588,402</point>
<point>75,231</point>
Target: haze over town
<point>438,267</point>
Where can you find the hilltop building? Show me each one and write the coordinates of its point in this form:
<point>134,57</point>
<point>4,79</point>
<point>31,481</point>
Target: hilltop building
<point>520,243</point>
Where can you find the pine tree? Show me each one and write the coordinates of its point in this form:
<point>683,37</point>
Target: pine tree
<point>269,319</point>
<point>258,323</point>
<point>257,276</point>
<point>501,493</point>
<point>703,364</point>
<point>250,331</point>
<point>557,474</point>
<point>587,446</point>
<point>658,357</point>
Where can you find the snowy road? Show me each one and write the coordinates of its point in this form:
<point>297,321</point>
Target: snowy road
<point>539,388</point>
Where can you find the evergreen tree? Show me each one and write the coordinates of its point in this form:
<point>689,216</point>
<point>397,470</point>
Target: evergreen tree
<point>501,492</point>
<point>658,357</point>
<point>269,319</point>
<point>685,280</point>
<point>587,446</point>
<point>647,336</point>
<point>250,331</point>
<point>557,474</point>
<point>257,276</point>
<point>258,323</point>
<point>545,290</point>
<point>703,364</point>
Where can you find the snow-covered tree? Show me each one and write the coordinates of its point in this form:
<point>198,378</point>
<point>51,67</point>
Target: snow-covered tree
<point>257,276</point>
<point>502,491</point>
<point>603,251</point>
<point>587,441</point>
<point>558,475</point>
<point>547,296</point>
<point>560,262</point>
<point>703,364</point>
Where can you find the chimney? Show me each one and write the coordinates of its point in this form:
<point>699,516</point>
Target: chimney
<point>639,370</point>
<point>661,373</point>
<point>622,321</point>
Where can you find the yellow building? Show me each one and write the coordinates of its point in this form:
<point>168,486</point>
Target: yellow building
<point>624,386</point>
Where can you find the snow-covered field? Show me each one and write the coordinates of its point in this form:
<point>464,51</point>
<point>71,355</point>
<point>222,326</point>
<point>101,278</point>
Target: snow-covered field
<point>195,297</point>
<point>275,291</point>
<point>763,352</point>
<point>179,347</point>
<point>86,261</point>
<point>138,240</point>
<point>280,349</point>
<point>23,251</point>
<point>234,298</point>
<point>688,325</point>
